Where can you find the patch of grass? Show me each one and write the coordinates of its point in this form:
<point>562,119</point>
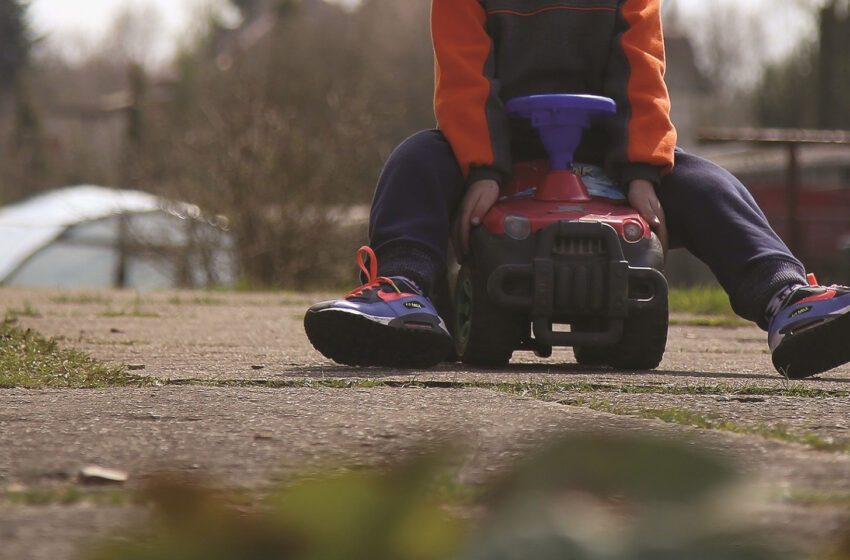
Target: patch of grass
<point>297,302</point>
<point>700,301</point>
<point>28,359</point>
<point>548,389</point>
<point>541,390</point>
<point>196,300</point>
<point>82,299</point>
<point>134,311</point>
<point>687,417</point>
<point>102,342</point>
<point>728,322</point>
<point>130,313</point>
<point>27,311</point>
<point>813,498</point>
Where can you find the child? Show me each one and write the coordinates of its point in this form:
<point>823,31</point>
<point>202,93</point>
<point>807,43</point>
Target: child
<point>489,51</point>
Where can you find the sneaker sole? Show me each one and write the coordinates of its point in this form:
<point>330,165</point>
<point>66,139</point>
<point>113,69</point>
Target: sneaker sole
<point>350,339</point>
<point>814,351</point>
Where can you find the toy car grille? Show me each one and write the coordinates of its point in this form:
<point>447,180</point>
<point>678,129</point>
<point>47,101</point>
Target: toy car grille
<point>570,247</point>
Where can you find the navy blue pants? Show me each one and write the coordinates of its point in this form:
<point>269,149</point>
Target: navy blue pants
<point>709,213</point>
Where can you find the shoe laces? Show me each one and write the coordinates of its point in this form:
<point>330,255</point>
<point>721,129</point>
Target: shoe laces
<point>373,280</point>
<point>813,284</point>
<point>813,289</point>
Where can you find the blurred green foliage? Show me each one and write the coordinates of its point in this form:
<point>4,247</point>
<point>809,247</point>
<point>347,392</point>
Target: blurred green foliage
<point>584,497</point>
<point>374,514</point>
<point>700,300</point>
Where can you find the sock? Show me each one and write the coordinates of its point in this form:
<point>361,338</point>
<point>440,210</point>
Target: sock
<point>413,284</point>
<point>412,262</point>
<point>763,280</point>
<point>779,300</point>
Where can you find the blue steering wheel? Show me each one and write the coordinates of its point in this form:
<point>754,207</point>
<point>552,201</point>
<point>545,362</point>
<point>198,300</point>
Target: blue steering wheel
<point>561,119</point>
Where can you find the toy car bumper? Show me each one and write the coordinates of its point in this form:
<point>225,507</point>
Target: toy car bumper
<point>570,273</point>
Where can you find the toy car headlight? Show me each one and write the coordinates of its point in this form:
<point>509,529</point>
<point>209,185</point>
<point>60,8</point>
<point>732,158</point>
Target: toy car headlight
<point>517,227</point>
<point>633,231</point>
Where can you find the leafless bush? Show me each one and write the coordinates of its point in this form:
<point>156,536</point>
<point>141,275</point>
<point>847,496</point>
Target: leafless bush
<point>295,126</point>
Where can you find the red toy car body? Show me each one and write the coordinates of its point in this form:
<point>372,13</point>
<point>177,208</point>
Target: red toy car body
<point>552,265</point>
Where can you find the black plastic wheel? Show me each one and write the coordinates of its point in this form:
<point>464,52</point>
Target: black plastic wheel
<point>641,347</point>
<point>484,334</point>
<point>591,355</point>
<point>442,299</point>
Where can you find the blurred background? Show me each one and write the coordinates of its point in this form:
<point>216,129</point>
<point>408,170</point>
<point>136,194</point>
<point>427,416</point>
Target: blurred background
<point>262,126</point>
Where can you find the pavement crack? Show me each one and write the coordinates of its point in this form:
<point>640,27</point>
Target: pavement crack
<point>542,390</point>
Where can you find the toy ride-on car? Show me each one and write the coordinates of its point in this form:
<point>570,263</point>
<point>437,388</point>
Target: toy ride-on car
<point>552,265</point>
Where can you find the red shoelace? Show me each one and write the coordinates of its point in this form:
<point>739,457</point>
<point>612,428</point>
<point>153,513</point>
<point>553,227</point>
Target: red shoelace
<point>371,273</point>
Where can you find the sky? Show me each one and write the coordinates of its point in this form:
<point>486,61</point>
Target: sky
<point>71,25</point>
<point>72,22</point>
<point>89,16</point>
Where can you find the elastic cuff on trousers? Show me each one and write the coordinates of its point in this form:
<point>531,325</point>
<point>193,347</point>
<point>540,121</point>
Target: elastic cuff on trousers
<point>765,278</point>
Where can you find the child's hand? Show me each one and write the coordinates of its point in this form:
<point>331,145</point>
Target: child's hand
<point>643,198</point>
<point>479,197</point>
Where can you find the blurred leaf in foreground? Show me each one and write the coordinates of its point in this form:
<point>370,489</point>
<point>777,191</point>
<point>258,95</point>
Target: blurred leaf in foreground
<point>619,498</point>
<point>588,498</point>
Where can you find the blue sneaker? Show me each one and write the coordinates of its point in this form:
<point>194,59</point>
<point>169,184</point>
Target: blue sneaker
<point>811,332</point>
<point>386,322</point>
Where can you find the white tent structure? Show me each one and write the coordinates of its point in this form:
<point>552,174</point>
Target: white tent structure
<point>89,236</point>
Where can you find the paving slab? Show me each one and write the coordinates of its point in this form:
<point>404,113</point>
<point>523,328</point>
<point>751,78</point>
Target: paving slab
<point>60,531</point>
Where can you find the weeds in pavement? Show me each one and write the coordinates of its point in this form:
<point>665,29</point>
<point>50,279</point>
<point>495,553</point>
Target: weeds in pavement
<point>131,313</point>
<point>296,302</point>
<point>728,322</point>
<point>687,417</point>
<point>134,311</point>
<point>541,390</point>
<point>81,299</point>
<point>815,498</point>
<point>27,359</point>
<point>27,311</point>
<point>196,300</point>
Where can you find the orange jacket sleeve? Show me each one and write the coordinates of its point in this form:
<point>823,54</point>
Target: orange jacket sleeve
<point>642,137</point>
<point>466,101</point>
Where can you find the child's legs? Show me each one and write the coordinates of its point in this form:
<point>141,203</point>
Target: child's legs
<point>417,193</point>
<point>710,213</point>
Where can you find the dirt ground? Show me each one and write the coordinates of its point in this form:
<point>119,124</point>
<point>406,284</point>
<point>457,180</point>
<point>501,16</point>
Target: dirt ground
<point>716,386</point>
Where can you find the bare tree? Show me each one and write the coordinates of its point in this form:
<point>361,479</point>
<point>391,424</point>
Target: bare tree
<point>730,41</point>
<point>133,36</point>
<point>15,43</point>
